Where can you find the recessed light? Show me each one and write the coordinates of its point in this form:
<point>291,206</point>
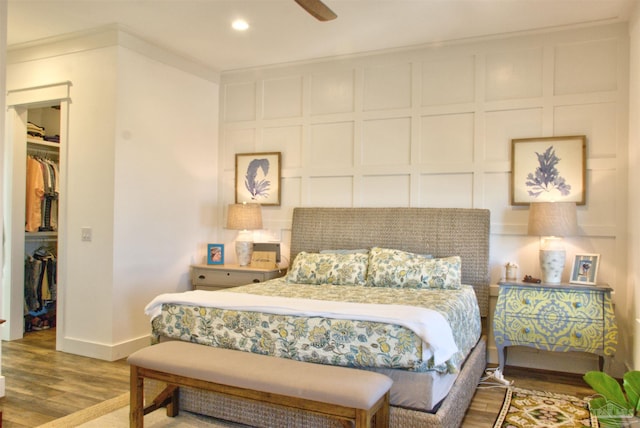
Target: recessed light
<point>240,25</point>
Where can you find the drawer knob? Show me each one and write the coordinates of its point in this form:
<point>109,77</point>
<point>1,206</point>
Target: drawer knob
<point>578,304</point>
<point>256,280</point>
<point>578,334</point>
<point>201,277</point>
<point>527,330</point>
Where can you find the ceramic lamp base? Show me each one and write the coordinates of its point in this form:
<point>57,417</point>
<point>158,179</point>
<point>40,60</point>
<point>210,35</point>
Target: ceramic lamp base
<point>552,265</point>
<point>244,250</point>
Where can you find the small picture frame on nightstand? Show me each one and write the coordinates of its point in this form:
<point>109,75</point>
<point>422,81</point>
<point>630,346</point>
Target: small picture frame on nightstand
<point>585,269</point>
<point>215,254</point>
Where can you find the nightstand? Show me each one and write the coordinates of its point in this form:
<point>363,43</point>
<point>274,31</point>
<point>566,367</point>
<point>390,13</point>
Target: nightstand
<point>216,277</point>
<point>555,317</point>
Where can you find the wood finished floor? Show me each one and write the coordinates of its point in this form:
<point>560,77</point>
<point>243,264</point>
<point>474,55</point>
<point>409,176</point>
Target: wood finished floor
<point>43,384</point>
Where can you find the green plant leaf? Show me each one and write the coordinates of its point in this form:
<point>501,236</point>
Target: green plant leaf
<point>608,387</point>
<point>631,383</point>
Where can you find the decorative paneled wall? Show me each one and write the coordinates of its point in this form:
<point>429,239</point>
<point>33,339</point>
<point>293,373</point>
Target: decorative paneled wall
<point>432,127</point>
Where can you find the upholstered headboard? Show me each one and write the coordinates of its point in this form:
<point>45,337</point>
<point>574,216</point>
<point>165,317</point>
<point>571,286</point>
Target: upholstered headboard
<point>440,232</point>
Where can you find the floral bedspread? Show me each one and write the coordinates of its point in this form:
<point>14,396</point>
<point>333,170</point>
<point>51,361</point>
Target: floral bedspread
<point>324,340</point>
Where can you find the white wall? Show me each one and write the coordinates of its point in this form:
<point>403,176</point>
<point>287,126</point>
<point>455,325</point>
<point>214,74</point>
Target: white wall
<point>634,182</point>
<point>165,184</point>
<point>3,82</point>
<point>142,174</point>
<point>432,127</point>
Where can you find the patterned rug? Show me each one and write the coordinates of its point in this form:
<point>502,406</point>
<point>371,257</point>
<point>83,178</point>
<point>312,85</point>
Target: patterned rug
<point>524,408</point>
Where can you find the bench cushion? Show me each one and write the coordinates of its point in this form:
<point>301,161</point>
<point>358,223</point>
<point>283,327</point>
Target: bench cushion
<point>342,386</point>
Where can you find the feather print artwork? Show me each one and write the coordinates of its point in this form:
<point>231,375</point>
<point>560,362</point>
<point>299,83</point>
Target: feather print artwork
<point>256,183</point>
<point>547,177</point>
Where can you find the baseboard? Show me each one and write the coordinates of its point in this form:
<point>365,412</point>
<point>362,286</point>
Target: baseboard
<point>103,351</point>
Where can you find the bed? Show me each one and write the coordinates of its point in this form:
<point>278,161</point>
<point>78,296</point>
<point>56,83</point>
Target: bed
<point>434,375</point>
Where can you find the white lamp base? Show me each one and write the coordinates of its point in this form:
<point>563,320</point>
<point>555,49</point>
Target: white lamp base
<point>244,250</point>
<point>552,265</point>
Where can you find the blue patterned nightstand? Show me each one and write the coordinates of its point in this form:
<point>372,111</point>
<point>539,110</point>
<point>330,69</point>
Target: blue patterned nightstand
<point>555,317</point>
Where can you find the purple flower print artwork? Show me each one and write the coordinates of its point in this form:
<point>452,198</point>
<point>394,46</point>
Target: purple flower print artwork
<point>258,187</point>
<point>546,177</point>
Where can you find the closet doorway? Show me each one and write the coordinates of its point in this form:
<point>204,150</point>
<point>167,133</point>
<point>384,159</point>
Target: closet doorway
<point>35,191</point>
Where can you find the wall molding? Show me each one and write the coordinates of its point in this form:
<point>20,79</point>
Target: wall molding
<point>104,37</point>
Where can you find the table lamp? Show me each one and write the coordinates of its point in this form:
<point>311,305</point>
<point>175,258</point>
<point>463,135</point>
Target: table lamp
<point>245,218</point>
<point>552,221</point>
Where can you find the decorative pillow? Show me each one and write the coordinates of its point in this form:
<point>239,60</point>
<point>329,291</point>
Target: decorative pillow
<point>400,269</point>
<point>329,268</point>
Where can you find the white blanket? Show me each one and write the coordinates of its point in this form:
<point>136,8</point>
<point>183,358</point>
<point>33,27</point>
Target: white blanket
<point>429,325</point>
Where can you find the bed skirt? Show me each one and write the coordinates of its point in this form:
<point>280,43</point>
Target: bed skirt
<point>449,415</point>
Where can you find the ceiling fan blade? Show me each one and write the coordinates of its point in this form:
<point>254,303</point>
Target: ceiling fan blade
<point>318,9</point>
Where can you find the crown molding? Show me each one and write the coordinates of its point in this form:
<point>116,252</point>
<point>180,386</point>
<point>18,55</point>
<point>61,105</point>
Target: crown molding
<point>102,37</point>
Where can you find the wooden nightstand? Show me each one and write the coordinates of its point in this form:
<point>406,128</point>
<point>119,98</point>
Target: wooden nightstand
<point>555,317</point>
<point>216,277</point>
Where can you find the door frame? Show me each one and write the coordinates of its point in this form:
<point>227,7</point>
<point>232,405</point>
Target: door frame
<point>18,102</point>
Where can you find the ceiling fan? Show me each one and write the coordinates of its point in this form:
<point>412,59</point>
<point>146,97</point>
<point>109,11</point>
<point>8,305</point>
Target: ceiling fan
<point>317,9</point>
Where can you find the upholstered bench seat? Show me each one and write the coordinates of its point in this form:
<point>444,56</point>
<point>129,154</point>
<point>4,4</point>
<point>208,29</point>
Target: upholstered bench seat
<point>344,393</point>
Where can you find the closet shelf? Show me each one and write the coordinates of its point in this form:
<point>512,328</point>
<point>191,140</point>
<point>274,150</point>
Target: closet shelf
<point>40,235</point>
<point>43,143</point>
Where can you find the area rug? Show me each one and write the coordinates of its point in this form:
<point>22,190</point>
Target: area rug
<point>114,413</point>
<point>523,408</point>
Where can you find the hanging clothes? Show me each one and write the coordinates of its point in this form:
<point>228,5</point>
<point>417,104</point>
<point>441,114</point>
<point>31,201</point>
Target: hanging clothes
<point>35,193</point>
<point>40,279</point>
<point>42,195</point>
<point>32,268</point>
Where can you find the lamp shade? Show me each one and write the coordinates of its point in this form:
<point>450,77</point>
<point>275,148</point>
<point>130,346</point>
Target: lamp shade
<point>552,219</point>
<point>244,217</point>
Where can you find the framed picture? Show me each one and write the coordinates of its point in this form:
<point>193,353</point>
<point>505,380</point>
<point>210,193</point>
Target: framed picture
<point>585,269</point>
<point>548,170</point>
<point>215,254</point>
<point>258,178</point>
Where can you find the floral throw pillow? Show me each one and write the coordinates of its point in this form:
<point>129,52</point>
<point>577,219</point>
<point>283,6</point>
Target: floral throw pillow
<point>401,269</point>
<point>329,268</point>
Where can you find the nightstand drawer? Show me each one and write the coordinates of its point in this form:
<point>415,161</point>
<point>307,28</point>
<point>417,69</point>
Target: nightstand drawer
<point>215,277</point>
<point>549,303</point>
<point>202,277</point>
<point>555,334</point>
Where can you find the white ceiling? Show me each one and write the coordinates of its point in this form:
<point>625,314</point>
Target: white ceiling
<point>281,31</point>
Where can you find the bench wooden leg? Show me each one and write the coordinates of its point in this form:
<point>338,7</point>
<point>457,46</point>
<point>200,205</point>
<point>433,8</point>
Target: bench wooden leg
<point>169,398</point>
<point>136,402</point>
<point>173,406</point>
<point>376,417</point>
<point>382,416</point>
<point>363,419</point>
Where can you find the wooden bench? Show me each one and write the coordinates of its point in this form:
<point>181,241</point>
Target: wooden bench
<point>347,394</point>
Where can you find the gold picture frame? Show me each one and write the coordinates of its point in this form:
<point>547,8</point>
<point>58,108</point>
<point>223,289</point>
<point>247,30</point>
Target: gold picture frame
<point>550,169</point>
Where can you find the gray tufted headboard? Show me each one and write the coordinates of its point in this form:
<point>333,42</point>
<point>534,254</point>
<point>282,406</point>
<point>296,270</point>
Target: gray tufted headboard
<point>441,232</point>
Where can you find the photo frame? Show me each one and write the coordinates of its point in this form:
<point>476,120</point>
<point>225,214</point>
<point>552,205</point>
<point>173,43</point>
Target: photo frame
<point>550,169</point>
<point>585,269</point>
<point>215,254</point>
<point>258,178</point>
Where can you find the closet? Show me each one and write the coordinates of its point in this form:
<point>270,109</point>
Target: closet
<point>42,193</point>
<point>34,271</point>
